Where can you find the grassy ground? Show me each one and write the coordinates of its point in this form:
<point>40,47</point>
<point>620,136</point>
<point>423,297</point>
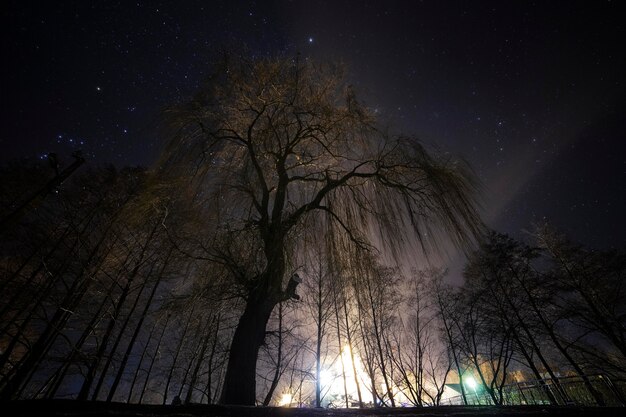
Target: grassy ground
<point>67,408</point>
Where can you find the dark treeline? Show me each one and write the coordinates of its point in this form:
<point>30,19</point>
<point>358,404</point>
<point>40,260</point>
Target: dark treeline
<point>88,307</point>
<point>553,311</point>
<point>105,297</point>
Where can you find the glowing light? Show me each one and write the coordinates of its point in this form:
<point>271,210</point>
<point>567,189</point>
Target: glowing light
<point>332,381</point>
<point>285,400</point>
<point>349,367</point>
<point>470,382</point>
<point>326,378</point>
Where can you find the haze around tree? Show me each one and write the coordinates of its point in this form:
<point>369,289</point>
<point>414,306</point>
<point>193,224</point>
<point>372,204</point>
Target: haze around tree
<point>274,155</point>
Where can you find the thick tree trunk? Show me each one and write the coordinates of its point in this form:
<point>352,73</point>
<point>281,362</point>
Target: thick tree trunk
<point>240,379</point>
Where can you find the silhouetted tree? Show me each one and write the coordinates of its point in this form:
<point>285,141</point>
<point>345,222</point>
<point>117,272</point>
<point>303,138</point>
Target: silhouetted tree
<point>270,150</point>
<point>82,216</point>
<point>420,359</point>
<point>447,305</point>
<point>593,282</point>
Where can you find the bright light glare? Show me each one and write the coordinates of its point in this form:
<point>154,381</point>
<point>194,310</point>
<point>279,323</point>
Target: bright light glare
<point>326,378</point>
<point>470,382</point>
<point>285,400</point>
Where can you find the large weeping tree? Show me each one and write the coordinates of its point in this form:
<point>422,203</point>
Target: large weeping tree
<point>274,153</point>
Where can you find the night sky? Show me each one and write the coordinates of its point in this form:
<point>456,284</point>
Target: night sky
<point>531,94</point>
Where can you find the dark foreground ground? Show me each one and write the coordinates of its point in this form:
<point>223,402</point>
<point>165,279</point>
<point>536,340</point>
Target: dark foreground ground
<point>67,408</point>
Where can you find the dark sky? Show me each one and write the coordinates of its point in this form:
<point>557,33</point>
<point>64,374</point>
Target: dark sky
<point>532,94</point>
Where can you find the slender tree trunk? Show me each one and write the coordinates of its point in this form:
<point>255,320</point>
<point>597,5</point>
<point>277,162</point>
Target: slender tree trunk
<point>535,371</point>
<point>378,337</point>
<point>443,311</point>
<point>419,330</point>
<point>209,384</point>
<point>600,322</point>
<point>31,308</point>
<point>27,284</point>
<point>318,345</point>
<point>138,327</point>
<point>69,311</point>
<point>32,358</point>
<point>550,329</point>
<point>175,359</point>
<point>23,323</point>
<point>34,355</point>
<point>77,347</point>
<point>594,393</point>
<point>156,351</point>
<point>58,326</point>
<point>369,358</point>
<point>189,366</point>
<point>522,324</point>
<point>141,358</point>
<point>527,355</point>
<point>199,361</point>
<point>351,347</point>
<point>279,354</point>
<point>118,340</point>
<point>118,309</point>
<point>93,367</point>
<point>343,365</point>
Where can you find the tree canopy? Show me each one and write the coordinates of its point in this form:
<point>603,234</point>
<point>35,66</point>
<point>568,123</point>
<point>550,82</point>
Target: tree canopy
<point>275,153</point>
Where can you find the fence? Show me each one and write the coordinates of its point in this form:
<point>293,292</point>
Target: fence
<point>568,391</point>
